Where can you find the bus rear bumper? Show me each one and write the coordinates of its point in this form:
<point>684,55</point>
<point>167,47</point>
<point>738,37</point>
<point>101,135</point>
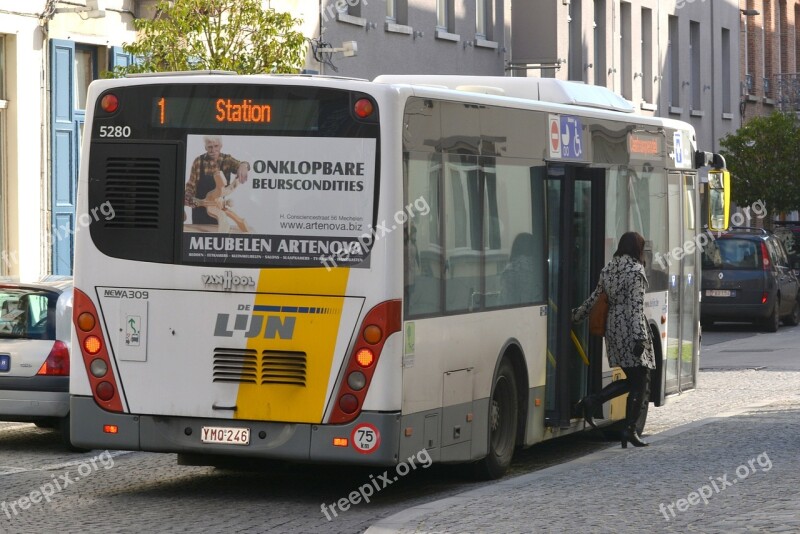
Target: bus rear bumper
<point>281,441</point>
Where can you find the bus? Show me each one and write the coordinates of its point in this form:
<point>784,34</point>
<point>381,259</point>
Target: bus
<point>319,269</point>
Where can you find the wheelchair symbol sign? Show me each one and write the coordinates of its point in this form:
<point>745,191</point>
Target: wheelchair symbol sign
<point>571,137</point>
<point>677,138</point>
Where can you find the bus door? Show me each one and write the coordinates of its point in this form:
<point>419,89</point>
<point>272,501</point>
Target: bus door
<point>682,326</point>
<point>575,220</point>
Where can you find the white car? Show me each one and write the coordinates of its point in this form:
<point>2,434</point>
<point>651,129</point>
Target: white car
<point>35,322</point>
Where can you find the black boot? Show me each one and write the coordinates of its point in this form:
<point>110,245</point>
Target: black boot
<point>586,407</point>
<point>632,411</point>
<point>590,403</point>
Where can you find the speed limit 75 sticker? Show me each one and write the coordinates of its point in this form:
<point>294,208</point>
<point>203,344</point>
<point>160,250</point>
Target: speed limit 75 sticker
<point>365,438</point>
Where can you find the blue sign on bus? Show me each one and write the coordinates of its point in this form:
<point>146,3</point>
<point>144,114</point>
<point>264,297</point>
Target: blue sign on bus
<point>571,137</point>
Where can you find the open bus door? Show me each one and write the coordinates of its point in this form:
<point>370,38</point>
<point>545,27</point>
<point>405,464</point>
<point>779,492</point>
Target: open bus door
<point>576,223</point>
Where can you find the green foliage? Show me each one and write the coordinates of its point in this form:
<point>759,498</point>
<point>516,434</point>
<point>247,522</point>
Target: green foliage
<point>232,35</point>
<point>764,157</point>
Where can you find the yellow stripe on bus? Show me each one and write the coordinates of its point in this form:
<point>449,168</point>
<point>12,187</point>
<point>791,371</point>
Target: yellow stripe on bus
<point>316,328</point>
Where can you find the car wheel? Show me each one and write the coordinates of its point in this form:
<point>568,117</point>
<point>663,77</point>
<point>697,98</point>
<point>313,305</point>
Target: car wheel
<point>773,322</point>
<point>794,318</point>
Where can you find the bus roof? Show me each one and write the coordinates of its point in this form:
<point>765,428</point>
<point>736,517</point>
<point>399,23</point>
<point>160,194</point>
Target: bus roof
<point>542,89</point>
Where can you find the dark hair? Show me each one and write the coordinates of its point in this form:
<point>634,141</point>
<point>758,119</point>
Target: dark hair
<point>524,245</point>
<point>632,244</point>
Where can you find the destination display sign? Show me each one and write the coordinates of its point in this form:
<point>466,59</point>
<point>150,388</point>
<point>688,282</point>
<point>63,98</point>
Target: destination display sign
<point>216,112</point>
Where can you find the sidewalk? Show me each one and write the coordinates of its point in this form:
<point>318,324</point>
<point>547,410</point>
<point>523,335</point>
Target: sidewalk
<point>739,472</point>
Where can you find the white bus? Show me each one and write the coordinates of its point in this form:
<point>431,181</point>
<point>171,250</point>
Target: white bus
<point>336,270</point>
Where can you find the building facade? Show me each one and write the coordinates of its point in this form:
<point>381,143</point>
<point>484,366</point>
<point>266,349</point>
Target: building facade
<point>768,57</point>
<point>49,53</point>
<point>673,59</point>
<point>406,36</point>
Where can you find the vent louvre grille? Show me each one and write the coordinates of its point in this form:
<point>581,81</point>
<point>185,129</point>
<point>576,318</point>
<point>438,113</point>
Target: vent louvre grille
<point>133,188</point>
<point>236,365</point>
<point>283,368</point>
<point>242,366</point>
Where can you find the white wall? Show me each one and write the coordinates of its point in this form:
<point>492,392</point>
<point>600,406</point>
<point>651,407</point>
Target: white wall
<point>25,178</point>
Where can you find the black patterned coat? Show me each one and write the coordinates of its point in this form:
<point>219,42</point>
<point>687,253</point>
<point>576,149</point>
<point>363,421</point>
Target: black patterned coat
<point>624,280</point>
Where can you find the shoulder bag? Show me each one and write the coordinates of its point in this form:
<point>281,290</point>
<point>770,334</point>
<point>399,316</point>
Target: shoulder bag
<point>598,315</point>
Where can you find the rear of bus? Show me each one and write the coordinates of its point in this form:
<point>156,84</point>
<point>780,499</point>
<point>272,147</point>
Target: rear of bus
<point>228,297</point>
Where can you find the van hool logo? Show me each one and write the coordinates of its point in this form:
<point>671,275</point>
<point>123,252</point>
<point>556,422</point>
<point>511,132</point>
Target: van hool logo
<point>227,280</point>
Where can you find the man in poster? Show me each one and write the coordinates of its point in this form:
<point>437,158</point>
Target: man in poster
<point>210,183</point>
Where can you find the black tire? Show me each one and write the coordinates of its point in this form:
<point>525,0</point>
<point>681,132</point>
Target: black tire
<point>503,417</point>
<point>46,424</point>
<point>793,319</point>
<point>773,322</point>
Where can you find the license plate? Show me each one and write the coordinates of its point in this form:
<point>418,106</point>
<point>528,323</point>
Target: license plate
<point>720,293</point>
<point>5,363</point>
<point>227,435</point>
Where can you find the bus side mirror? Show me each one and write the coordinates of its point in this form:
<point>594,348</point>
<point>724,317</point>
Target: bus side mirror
<point>719,200</point>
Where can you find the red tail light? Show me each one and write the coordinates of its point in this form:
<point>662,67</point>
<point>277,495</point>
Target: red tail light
<point>381,322</point>
<point>109,103</point>
<point>765,257</point>
<point>363,108</point>
<point>93,345</point>
<point>764,298</point>
<point>57,362</point>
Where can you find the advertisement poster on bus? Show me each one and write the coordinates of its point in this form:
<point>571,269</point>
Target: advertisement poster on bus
<point>277,200</point>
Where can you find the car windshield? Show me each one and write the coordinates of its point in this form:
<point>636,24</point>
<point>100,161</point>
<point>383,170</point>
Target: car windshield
<point>732,254</point>
<point>27,313</point>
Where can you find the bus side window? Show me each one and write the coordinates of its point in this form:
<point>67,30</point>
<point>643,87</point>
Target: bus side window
<point>422,244</point>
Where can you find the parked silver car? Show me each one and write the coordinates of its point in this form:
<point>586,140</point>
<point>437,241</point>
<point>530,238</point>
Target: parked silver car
<point>35,324</point>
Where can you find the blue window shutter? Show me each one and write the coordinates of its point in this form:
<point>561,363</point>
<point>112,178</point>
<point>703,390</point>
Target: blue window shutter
<point>118,57</point>
<point>64,153</point>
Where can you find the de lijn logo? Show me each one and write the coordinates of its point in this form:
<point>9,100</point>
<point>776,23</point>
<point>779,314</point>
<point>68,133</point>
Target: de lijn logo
<point>227,280</point>
<point>272,326</point>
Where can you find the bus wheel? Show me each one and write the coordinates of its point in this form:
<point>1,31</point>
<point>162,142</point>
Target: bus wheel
<point>503,413</point>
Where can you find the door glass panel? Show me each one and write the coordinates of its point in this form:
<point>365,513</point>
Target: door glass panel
<point>674,274</point>
<point>690,286</point>
<point>553,255</point>
<point>582,286</point>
